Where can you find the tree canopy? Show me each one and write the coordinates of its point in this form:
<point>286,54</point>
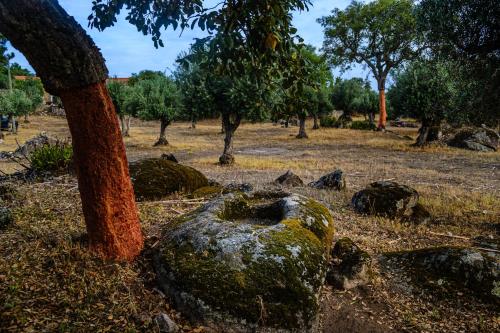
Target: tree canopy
<point>381,35</point>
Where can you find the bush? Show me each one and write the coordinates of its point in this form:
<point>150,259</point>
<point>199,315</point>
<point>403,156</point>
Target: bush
<point>51,157</point>
<point>363,125</point>
<point>328,121</point>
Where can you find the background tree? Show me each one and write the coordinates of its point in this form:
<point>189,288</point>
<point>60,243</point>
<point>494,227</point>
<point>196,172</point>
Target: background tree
<point>427,91</point>
<point>119,92</point>
<point>468,32</point>
<point>156,97</point>
<point>99,153</point>
<point>14,103</point>
<point>381,34</point>
<point>354,96</point>
<point>33,89</point>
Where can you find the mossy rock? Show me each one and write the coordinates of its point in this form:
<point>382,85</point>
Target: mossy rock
<point>478,139</point>
<point>448,269</point>
<point>156,177</point>
<point>206,192</point>
<point>248,261</point>
<point>385,198</point>
<point>350,267</point>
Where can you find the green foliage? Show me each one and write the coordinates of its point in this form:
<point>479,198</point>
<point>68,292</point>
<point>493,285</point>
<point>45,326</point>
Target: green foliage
<point>51,157</point>
<point>381,34</point>
<point>14,103</point>
<point>33,89</point>
<point>119,92</point>
<point>354,96</point>
<point>363,125</point>
<point>328,122</point>
<point>425,90</point>
<point>154,97</point>
<point>256,32</point>
<point>468,33</point>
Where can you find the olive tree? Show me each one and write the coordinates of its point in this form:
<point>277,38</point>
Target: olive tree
<point>14,103</point>
<point>33,89</point>
<point>156,98</point>
<point>428,91</point>
<point>119,91</point>
<point>381,35</point>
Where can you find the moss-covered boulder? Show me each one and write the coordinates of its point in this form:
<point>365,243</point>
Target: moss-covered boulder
<point>156,177</point>
<point>474,138</point>
<point>248,261</point>
<point>447,269</point>
<point>289,179</point>
<point>385,198</point>
<point>332,181</point>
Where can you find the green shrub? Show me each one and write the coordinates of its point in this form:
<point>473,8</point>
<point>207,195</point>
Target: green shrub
<point>363,125</point>
<point>328,121</point>
<point>51,157</point>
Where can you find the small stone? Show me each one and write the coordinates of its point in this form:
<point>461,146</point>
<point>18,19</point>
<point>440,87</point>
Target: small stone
<point>333,181</point>
<point>169,157</point>
<point>235,187</point>
<point>6,218</point>
<point>289,179</point>
<point>350,265</point>
<point>166,324</point>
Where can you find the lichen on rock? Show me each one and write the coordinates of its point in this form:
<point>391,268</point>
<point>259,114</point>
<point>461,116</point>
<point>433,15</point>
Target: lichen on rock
<point>155,178</point>
<point>257,258</point>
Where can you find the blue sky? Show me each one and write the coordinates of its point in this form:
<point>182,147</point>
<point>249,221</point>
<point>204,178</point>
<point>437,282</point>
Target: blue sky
<point>128,51</point>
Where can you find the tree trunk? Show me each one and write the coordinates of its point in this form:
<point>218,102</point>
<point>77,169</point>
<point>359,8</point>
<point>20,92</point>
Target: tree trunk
<point>230,126</point>
<point>316,123</point>
<point>371,118</point>
<point>122,124</point>
<point>26,119</point>
<point>429,131</point>
<point>14,127</point>
<point>129,121</point>
<point>302,128</point>
<point>162,140</point>
<point>43,31</point>
<point>381,98</point>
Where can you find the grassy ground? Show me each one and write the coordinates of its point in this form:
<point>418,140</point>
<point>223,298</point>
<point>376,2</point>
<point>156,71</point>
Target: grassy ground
<point>48,281</point>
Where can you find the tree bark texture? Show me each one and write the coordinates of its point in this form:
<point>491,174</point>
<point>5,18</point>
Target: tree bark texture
<point>162,140</point>
<point>230,124</point>
<point>429,131</point>
<point>302,128</point>
<point>72,67</point>
<point>383,112</point>
<point>316,123</point>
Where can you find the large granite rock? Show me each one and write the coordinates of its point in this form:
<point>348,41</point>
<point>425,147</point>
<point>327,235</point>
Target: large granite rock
<point>157,177</point>
<point>478,139</point>
<point>451,268</point>
<point>385,198</point>
<point>248,262</point>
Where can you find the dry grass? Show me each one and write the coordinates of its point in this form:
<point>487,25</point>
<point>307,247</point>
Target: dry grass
<point>48,281</point>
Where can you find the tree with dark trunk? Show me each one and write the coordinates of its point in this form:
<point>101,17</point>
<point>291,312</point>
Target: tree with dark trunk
<point>155,96</point>
<point>316,122</point>
<point>381,34</point>
<point>302,127</point>
<point>230,123</point>
<point>427,91</point>
<point>44,32</point>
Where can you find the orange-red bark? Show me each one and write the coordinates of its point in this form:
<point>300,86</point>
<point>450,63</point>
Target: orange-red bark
<point>383,112</point>
<point>106,190</point>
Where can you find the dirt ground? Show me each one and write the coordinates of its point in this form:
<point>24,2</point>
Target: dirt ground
<point>460,188</point>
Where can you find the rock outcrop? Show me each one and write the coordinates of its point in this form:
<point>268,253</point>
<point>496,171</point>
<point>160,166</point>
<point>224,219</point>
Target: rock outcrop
<point>385,198</point>
<point>247,261</point>
<point>478,139</point>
